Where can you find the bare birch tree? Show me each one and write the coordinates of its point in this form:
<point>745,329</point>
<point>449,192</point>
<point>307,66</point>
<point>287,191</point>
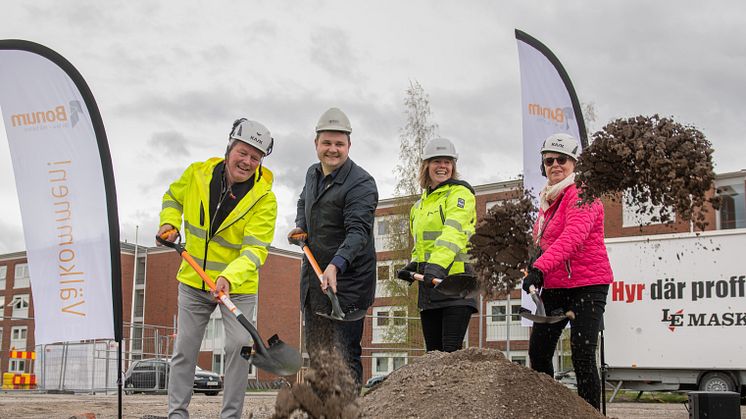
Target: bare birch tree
<point>417,131</point>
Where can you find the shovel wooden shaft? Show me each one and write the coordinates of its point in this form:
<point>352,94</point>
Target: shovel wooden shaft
<point>336,313</point>
<point>314,264</point>
<point>223,297</point>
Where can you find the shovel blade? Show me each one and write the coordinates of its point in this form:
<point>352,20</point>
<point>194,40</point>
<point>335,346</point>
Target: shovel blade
<point>279,359</point>
<point>539,305</point>
<point>464,286</point>
<point>337,314</point>
<point>527,314</point>
<point>352,316</point>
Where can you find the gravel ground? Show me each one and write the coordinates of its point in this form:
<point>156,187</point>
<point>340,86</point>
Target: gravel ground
<point>257,406</point>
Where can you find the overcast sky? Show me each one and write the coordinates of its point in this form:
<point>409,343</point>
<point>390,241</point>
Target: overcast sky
<point>170,77</point>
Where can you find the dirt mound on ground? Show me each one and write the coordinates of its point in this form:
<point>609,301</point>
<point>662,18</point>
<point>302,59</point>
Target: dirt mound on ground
<point>472,383</point>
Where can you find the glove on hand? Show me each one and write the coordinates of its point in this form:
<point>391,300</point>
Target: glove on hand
<point>411,266</point>
<point>535,277</point>
<point>433,271</point>
<point>407,273</point>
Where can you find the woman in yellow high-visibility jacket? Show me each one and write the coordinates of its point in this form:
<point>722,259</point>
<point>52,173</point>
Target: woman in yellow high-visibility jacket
<point>441,222</point>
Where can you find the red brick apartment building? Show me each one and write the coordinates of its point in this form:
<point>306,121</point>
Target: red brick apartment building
<point>149,306</point>
<point>149,293</point>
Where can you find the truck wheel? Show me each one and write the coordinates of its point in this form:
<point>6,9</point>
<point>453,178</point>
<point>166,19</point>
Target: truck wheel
<point>717,381</point>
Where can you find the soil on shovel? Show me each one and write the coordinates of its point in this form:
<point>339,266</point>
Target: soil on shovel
<point>501,245</point>
<point>665,168</point>
<point>472,383</point>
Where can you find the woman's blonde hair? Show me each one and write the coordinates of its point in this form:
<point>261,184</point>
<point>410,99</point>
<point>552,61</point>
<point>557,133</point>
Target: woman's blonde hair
<point>424,177</point>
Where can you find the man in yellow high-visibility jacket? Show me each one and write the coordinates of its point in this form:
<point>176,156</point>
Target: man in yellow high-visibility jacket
<point>229,212</point>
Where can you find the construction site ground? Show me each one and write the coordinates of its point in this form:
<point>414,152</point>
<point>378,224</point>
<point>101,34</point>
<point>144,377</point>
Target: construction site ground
<point>14,404</point>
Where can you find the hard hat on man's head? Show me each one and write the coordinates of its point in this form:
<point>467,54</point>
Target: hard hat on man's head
<point>439,147</point>
<point>561,143</point>
<point>334,120</point>
<point>252,133</point>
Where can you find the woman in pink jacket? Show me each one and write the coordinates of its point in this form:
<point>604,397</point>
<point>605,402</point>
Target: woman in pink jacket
<point>573,268</point>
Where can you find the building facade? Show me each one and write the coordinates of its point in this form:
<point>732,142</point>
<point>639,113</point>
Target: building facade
<point>149,307</point>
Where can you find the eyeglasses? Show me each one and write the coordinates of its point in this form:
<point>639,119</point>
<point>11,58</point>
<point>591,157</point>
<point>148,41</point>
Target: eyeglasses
<point>549,161</point>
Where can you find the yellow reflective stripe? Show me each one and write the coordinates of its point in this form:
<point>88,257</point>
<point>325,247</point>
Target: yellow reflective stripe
<point>455,224</point>
<point>448,245</point>
<point>172,204</point>
<point>252,257</point>
<point>197,231</point>
<point>462,257</point>
<point>253,241</point>
<point>225,243</point>
<point>211,266</point>
<point>430,235</point>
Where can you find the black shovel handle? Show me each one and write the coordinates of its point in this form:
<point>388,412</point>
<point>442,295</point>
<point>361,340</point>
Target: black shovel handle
<point>410,276</point>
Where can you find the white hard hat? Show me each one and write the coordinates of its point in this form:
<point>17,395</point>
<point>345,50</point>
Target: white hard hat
<point>561,143</point>
<point>334,120</point>
<point>253,134</point>
<point>439,147</point>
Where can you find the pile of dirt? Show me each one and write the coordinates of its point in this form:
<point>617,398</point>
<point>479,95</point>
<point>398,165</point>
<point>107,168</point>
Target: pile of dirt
<point>665,167</point>
<point>327,391</point>
<point>501,243</point>
<point>472,383</point>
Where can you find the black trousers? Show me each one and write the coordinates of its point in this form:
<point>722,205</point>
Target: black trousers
<point>444,328</point>
<point>589,304</point>
<point>322,333</point>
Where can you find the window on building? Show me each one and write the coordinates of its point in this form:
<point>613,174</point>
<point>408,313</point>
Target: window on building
<point>391,231</point>
<point>504,321</point>
<point>140,277</point>
<point>214,333</point>
<point>21,278</point>
<point>1,337</point>
<point>3,274</point>
<point>389,324</point>
<point>732,212</point>
<point>501,202</point>
<point>383,272</point>
<point>386,362</point>
<point>139,308</point>
<point>386,270</point>
<point>18,338</point>
<point>498,313</point>
<point>631,216</point>
<point>20,305</point>
<point>218,363</point>
<point>518,359</point>
<point>17,366</point>
<point>137,338</point>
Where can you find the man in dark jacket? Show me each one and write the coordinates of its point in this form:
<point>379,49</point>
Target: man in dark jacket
<point>336,209</point>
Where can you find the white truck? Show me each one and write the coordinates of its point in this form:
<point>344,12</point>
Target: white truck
<point>676,312</point>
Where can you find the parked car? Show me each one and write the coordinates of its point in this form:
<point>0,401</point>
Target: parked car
<point>207,382</point>
<point>374,381</point>
<point>152,375</point>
